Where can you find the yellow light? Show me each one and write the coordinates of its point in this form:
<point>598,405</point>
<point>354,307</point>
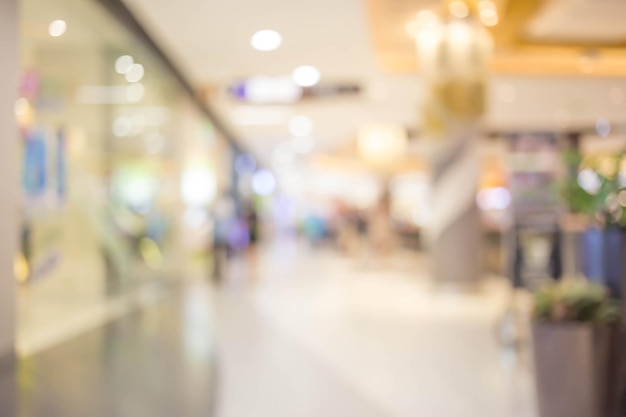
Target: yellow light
<point>489,17</point>
<point>459,9</point>
<point>382,144</point>
<point>21,270</point>
<point>150,253</point>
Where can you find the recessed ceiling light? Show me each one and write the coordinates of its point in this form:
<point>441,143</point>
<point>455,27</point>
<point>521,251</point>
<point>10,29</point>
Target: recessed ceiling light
<point>57,28</point>
<point>266,40</point>
<point>306,76</point>
<point>123,64</point>
<point>135,73</point>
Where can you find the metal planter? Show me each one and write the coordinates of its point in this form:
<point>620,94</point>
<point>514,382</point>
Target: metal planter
<point>577,369</point>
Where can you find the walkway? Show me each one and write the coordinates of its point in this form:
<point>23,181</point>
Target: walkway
<point>321,335</point>
<point>305,333</point>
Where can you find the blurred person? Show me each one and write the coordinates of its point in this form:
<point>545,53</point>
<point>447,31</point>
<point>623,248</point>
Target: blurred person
<point>380,234</point>
<point>223,218</point>
<point>253,228</point>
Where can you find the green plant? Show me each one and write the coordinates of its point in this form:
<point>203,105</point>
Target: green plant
<point>574,301</point>
<point>594,187</point>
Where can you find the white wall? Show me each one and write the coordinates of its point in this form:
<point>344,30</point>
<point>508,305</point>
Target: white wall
<point>8,171</point>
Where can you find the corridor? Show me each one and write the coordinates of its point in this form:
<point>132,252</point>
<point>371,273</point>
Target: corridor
<point>301,332</point>
<point>319,334</point>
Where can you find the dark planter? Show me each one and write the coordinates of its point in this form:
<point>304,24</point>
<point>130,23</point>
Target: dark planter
<point>577,369</point>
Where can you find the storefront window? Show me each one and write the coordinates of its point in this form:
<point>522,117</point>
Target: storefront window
<point>106,134</point>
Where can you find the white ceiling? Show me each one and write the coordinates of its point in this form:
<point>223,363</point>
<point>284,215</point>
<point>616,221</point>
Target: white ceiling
<point>587,21</point>
<point>209,40</point>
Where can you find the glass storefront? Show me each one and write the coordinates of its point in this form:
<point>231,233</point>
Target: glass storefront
<point>117,160</point>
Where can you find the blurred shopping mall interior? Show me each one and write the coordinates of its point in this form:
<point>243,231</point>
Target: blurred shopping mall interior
<point>279,208</point>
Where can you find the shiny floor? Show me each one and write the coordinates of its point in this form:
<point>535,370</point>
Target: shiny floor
<point>292,331</point>
<point>312,333</point>
<point>156,362</point>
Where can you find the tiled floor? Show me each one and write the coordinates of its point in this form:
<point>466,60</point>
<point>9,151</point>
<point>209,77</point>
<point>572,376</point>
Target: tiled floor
<point>320,335</point>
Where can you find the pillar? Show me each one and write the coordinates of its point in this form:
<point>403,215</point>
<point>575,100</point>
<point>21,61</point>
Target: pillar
<point>453,54</point>
<point>9,203</point>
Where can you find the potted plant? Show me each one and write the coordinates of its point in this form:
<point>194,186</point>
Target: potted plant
<point>576,351</point>
<point>595,194</point>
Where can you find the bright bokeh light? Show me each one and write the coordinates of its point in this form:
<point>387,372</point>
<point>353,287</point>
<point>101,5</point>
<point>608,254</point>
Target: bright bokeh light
<point>263,182</point>
<point>589,181</point>
<point>303,144</point>
<point>603,127</point>
<point>425,19</point>
<point>497,198</point>
<point>135,92</point>
<point>135,73</point>
<point>198,186</point>
<point>382,144</point>
<point>266,40</point>
<point>138,189</point>
<point>306,76</point>
<point>123,64</point>
<point>489,17</point>
<point>21,107</point>
<point>458,9</point>
<point>57,28</point>
<point>301,126</point>
<point>488,12</point>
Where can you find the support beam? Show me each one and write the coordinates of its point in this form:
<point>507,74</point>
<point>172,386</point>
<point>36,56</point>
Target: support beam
<point>9,203</point>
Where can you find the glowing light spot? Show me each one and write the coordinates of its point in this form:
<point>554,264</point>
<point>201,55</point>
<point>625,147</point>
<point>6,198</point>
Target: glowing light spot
<point>266,40</point>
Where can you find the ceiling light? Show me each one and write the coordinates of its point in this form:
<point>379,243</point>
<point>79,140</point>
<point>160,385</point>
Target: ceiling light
<point>306,76</point>
<point>57,28</point>
<point>459,9</point>
<point>123,64</point>
<point>263,182</point>
<point>135,73</point>
<point>301,126</point>
<point>266,40</point>
<point>489,17</point>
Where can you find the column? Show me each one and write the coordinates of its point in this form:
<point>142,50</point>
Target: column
<point>453,53</point>
<point>8,173</point>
